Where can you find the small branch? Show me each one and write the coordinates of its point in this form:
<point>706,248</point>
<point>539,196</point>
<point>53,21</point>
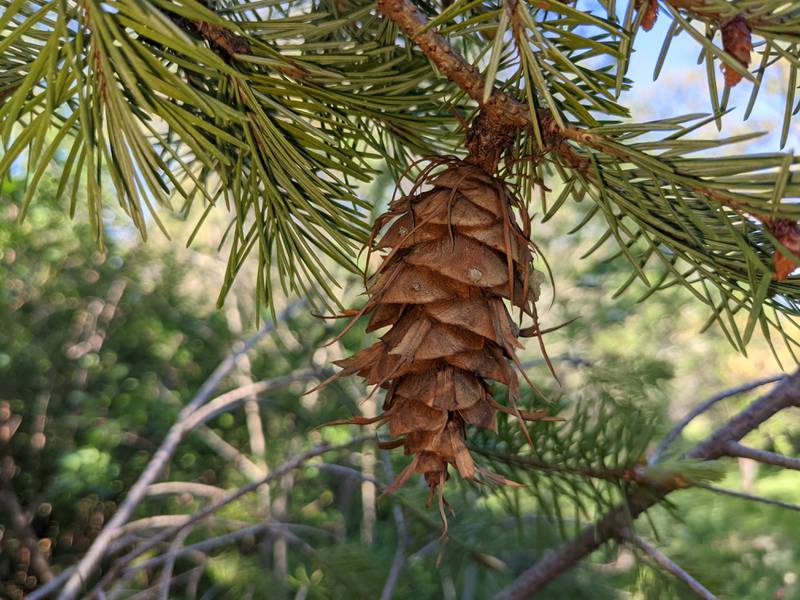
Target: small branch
<point>224,42</point>
<point>230,399</point>
<point>247,467</point>
<point>701,408</point>
<point>762,456</point>
<point>617,474</point>
<point>252,409</point>
<point>506,111</point>
<point>154,522</point>
<point>200,549</point>
<point>280,510</point>
<point>288,466</point>
<point>752,497</point>
<point>399,560</point>
<point>45,590</point>
<point>89,562</point>
<point>223,540</point>
<point>369,513</point>
<point>782,396</point>
<point>169,563</point>
<point>664,562</point>
<point>222,38</point>
<point>184,487</point>
<point>149,593</point>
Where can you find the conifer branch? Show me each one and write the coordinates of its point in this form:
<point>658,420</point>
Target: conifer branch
<point>503,109</point>
<point>615,522</point>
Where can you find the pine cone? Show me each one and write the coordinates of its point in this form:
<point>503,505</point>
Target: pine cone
<point>737,41</point>
<point>452,255</point>
<point>788,234</point>
<point>650,9</point>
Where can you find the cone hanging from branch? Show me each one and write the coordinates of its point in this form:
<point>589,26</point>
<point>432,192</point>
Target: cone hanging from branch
<point>737,41</point>
<point>454,250</point>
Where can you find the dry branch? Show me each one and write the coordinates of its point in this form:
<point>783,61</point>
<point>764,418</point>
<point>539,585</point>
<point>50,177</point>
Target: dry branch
<point>751,497</point>
<point>668,439</point>
<point>566,556</point>
<point>502,108</point>
<point>184,487</point>
<point>229,400</point>
<point>287,467</point>
<point>667,564</point>
<point>226,539</point>
<point>89,562</point>
<point>247,467</point>
<point>762,456</point>
<point>504,111</point>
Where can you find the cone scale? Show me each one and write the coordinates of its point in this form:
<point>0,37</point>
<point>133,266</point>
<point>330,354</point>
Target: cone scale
<point>454,257</point>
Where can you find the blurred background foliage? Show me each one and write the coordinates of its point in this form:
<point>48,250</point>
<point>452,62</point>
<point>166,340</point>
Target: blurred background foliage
<point>98,352</point>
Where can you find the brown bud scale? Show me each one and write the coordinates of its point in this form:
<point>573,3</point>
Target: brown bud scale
<point>737,41</point>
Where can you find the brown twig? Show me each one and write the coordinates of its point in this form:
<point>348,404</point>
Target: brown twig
<point>287,467</point>
<point>751,497</point>
<point>157,463</point>
<point>222,38</point>
<point>666,442</point>
<point>506,111</point>
<point>663,561</point>
<point>566,556</point>
<point>762,456</point>
<point>501,107</point>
